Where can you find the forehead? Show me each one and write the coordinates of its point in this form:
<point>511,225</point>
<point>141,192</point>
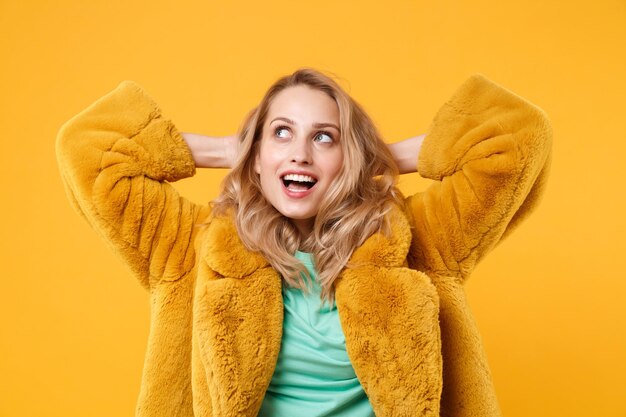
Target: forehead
<point>304,105</point>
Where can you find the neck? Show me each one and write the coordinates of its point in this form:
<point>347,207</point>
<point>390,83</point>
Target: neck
<point>304,226</point>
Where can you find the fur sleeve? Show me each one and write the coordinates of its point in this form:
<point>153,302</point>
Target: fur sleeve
<point>116,158</point>
<point>488,151</point>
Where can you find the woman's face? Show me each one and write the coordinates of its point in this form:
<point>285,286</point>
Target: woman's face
<point>300,154</point>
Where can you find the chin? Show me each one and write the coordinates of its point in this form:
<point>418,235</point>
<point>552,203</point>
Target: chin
<point>298,216</point>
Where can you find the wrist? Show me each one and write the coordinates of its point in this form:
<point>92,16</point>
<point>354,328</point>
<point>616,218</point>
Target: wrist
<point>211,152</point>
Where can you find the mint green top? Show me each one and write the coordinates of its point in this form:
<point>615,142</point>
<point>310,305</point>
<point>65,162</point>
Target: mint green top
<point>313,375</point>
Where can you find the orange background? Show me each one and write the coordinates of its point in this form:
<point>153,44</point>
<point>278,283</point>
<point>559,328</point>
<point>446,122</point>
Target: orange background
<point>550,301</point>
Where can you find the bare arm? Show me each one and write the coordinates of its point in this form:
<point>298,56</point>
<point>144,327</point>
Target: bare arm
<point>212,152</point>
<point>406,153</point>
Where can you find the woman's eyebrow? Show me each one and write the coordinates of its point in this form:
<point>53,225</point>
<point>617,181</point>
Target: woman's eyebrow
<point>320,125</point>
<point>284,119</point>
<point>315,125</point>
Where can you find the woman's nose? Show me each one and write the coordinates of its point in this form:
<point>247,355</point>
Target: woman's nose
<point>301,152</point>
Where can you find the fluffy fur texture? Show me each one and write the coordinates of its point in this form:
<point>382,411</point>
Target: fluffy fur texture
<point>217,308</point>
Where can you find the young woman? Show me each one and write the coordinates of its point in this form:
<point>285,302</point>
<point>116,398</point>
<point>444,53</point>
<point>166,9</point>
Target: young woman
<point>310,213</point>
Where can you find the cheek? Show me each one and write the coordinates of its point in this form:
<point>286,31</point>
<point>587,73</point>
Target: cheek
<point>335,164</point>
<point>268,160</point>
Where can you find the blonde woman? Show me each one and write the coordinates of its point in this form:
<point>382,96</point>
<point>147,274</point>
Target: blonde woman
<point>310,286</point>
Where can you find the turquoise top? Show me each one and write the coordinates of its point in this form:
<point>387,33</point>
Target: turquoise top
<point>313,375</point>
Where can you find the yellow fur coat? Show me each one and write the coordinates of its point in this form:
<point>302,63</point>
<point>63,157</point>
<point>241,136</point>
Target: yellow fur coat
<point>216,308</point>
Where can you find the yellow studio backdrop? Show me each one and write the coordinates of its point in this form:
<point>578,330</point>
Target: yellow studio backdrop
<point>550,301</point>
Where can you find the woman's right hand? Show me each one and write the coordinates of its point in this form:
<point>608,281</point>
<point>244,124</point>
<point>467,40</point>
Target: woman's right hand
<point>212,152</point>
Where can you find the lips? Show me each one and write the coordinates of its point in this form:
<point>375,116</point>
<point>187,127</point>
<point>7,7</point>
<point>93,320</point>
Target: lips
<point>298,184</point>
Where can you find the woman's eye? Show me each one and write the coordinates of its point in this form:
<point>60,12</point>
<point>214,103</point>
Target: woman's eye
<point>323,137</point>
<point>281,132</point>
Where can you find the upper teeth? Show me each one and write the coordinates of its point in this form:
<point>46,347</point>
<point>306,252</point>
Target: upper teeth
<point>299,178</point>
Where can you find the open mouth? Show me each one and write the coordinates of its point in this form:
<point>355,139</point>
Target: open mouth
<point>298,183</point>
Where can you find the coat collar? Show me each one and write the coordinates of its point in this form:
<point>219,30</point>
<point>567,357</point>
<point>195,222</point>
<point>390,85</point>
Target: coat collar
<point>227,255</point>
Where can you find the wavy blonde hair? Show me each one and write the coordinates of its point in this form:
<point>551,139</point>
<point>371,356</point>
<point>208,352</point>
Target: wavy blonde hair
<point>354,208</point>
